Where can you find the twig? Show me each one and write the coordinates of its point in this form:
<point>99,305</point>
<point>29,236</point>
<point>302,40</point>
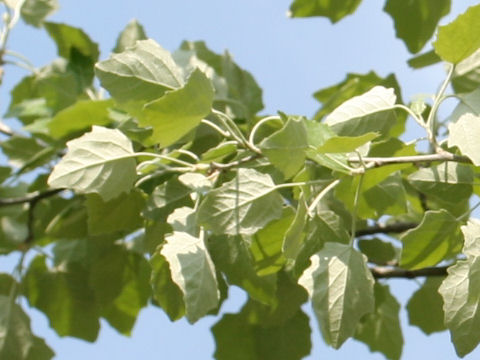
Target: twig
<point>382,161</point>
<point>388,272</point>
<point>386,229</point>
<point>30,198</point>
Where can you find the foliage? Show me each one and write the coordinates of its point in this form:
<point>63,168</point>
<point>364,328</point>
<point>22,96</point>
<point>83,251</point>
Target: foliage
<point>174,188</point>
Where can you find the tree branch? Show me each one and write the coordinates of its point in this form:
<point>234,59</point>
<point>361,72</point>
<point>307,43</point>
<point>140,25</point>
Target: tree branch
<point>386,229</point>
<point>381,272</point>
<point>30,198</point>
<point>382,161</point>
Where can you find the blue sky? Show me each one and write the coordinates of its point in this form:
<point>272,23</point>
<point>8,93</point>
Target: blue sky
<point>290,58</point>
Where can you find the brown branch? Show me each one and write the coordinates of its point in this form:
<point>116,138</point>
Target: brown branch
<point>386,229</point>
<point>381,272</point>
<point>30,198</point>
<point>382,161</point>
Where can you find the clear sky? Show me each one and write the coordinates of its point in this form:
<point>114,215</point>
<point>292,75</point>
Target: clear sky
<point>290,58</point>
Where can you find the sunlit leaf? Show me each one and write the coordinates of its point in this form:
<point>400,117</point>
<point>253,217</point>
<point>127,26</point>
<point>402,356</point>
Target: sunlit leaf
<point>333,9</point>
<point>34,12</point>
<point>129,36</point>
<point>341,290</point>
<point>241,206</point>
<point>465,134</point>
<point>100,161</point>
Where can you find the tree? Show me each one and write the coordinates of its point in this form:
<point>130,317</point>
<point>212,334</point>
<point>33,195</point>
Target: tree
<point>173,188</point>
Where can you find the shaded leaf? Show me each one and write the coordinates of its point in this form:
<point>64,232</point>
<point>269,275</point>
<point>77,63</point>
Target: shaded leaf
<point>425,14</point>
<point>423,60</point>
<point>100,161</point>
<point>333,9</point>
<point>340,286</point>
<point>34,12</point>
<point>286,147</point>
<point>295,235</point>
<point>193,271</point>
<point>377,251</point>
<point>459,39</point>
<point>241,206</point>
<point>344,144</point>
<point>435,239</point>
<point>129,36</point>
<point>425,307</point>
<point>381,330</point>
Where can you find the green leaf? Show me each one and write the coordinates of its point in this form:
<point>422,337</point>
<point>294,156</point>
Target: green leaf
<point>427,297</point>
<point>64,297</point>
<point>82,115</point>
<point>423,60</point>
<point>286,147</point>
<point>370,112</point>
<point>70,39</point>
<point>180,111</point>
<point>167,293</point>
<point>34,12</point>
<point>469,104</point>
<point>461,295</point>
<point>241,206</point>
<point>142,73</point>
<point>466,77</point>
<point>459,39</point>
<point>387,197</point>
<point>425,14</point>
<point>435,239</point>
<point>341,288</point>
<point>16,339</point>
<point>377,251</point>
<point>471,233</point>
<point>167,197</point>
<point>344,144</point>
<point>335,10</point>
<point>129,36</point>
<point>330,227</point>
<point>465,134</point>
<point>119,214</point>
<point>100,161</point>
<point>183,220</point>
<point>266,246</point>
<point>295,235</point>
<point>20,150</point>
<point>231,257</point>
<point>448,182</point>
<point>237,338</point>
<point>194,272</point>
<point>381,330</point>
<point>353,85</point>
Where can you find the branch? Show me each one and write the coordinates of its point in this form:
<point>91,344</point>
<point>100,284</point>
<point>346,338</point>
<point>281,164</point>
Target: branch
<point>381,272</point>
<point>382,161</point>
<point>30,198</point>
<point>386,229</point>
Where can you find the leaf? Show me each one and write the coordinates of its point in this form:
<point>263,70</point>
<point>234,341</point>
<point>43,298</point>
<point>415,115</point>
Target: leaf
<point>459,39</point>
<point>377,251</point>
<point>425,14</point>
<point>461,295</point>
<point>266,246</point>
<point>364,113</point>
<point>231,257</point>
<point>16,339</point>
<point>183,220</point>
<point>237,338</point>
<point>344,144</point>
<point>353,85</point>
<point>65,298</point>
<point>469,104</point>
<point>99,161</point>
<point>70,39</point>
<point>142,73</point>
<point>286,147</point>
<point>194,272</point>
<point>241,206</point>
<point>129,36</point>
<point>471,233</point>
<point>435,239</point>
<point>295,235</point>
<point>335,10</point>
<point>34,12</point>
<point>121,214</point>
<point>341,288</point>
<point>466,74</point>
<point>20,150</point>
<point>167,293</point>
<point>82,115</point>
<point>427,297</point>
<point>180,111</point>
<point>381,330</point>
<point>464,134</point>
<point>423,60</point>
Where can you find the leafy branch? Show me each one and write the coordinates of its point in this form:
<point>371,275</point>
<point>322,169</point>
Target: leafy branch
<point>382,272</point>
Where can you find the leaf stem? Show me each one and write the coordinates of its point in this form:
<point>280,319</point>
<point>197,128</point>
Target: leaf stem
<point>216,128</point>
<point>409,111</point>
<point>320,196</point>
<point>355,208</point>
<point>251,138</point>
